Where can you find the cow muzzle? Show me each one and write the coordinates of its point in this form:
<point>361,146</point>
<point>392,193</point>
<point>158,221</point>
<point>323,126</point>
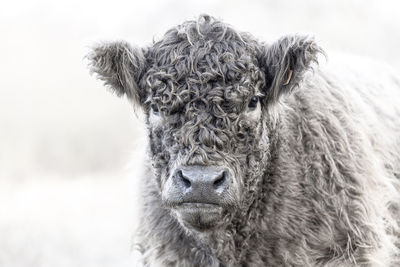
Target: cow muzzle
<point>199,195</point>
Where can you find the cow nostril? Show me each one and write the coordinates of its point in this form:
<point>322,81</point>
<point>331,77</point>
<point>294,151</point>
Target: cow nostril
<point>220,180</point>
<point>186,183</point>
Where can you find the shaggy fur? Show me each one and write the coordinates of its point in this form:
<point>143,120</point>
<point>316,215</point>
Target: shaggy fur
<point>316,163</point>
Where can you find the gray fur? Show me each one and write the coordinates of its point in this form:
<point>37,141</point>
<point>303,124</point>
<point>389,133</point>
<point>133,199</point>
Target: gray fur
<point>120,65</point>
<point>317,168</point>
<point>290,53</point>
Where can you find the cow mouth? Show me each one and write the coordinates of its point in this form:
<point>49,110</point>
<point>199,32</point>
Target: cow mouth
<point>200,217</point>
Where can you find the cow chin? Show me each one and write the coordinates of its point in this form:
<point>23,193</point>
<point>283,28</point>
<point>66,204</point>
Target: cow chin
<point>200,217</point>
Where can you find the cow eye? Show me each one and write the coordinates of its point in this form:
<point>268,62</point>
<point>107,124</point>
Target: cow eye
<point>253,102</point>
<point>154,108</point>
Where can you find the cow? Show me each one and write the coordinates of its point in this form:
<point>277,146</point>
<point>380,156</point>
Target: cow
<point>260,153</point>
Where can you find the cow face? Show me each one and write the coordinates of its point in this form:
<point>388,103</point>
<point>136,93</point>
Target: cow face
<point>207,92</point>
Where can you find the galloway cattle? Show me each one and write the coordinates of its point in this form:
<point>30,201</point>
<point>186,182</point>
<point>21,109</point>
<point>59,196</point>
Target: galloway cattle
<point>261,154</point>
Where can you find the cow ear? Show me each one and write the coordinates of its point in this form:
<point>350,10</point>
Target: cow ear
<point>285,62</point>
<point>121,67</point>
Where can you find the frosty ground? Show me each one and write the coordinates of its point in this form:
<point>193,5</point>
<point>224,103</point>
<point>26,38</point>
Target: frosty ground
<point>50,222</point>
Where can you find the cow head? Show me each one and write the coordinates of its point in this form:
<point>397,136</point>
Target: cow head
<point>208,93</point>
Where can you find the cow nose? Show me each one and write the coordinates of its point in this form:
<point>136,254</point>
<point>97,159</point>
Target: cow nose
<point>202,183</point>
<point>211,180</point>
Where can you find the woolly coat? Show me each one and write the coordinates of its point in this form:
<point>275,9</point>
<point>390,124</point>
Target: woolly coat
<point>318,168</point>
<point>335,164</point>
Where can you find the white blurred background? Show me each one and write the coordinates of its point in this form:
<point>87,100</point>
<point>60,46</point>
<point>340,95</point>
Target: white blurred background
<point>68,166</point>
